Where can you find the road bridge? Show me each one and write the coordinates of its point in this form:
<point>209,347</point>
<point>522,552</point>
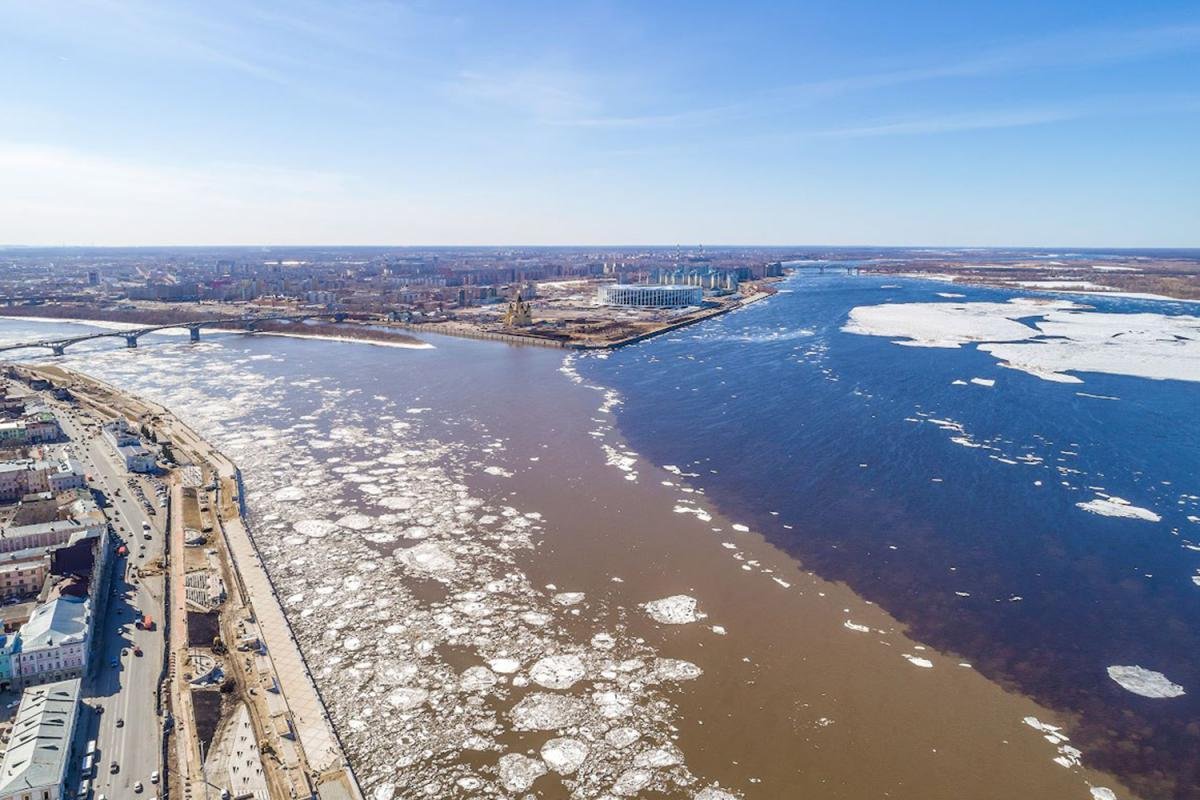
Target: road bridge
<point>131,336</point>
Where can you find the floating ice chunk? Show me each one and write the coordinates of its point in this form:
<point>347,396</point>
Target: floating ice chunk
<point>719,630</point>
<point>477,678</point>
<point>407,698</point>
<point>542,711</point>
<point>1144,682</point>
<point>621,737</point>
<point>854,626</point>
<point>355,522</point>
<point>518,772</point>
<point>1042,727</point>
<point>315,528</point>
<point>988,382</point>
<point>564,755</point>
<point>675,669</point>
<point>351,643</point>
<point>1103,793</point>
<point>558,672</point>
<point>499,472</point>
<point>427,557</point>
<point>505,666</point>
<point>917,661</point>
<point>535,618</point>
<point>568,598</point>
<point>658,757</point>
<point>714,793</point>
<point>737,526</point>
<point>632,781</point>
<point>289,494</point>
<point>603,641</point>
<point>678,609</point>
<point>1118,507</point>
<point>613,705</point>
<point>397,673</point>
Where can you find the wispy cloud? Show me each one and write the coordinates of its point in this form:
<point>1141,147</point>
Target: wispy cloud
<point>935,123</point>
<point>1073,49</point>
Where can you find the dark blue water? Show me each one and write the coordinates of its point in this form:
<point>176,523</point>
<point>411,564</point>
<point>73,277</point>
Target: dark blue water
<point>778,410</point>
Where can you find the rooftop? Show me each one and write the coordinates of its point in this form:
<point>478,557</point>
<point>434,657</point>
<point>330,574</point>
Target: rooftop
<point>60,621</point>
<point>41,738</point>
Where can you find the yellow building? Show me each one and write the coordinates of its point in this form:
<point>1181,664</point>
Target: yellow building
<point>518,314</point>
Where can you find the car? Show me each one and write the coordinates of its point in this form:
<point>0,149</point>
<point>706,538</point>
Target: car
<point>137,787</point>
<point>137,651</point>
<point>121,723</point>
<point>146,537</point>
<point>154,776</point>
<point>114,768</point>
<point>124,651</point>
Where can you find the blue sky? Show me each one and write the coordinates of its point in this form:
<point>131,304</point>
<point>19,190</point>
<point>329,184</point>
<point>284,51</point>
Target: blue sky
<point>1015,123</point>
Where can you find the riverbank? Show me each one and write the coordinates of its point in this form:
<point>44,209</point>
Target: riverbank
<point>309,756</point>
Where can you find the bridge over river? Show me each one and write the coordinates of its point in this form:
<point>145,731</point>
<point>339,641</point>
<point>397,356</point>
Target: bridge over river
<point>59,346</point>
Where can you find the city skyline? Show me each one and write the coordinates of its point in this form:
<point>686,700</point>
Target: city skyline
<point>600,124</point>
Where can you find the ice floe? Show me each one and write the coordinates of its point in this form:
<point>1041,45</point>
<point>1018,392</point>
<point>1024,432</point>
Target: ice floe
<point>678,609</point>
<point>564,755</point>
<point>1118,507</point>
<point>1063,338</point>
<point>1144,682</point>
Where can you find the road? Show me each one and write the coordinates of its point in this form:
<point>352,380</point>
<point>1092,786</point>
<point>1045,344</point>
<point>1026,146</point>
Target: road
<point>120,702</point>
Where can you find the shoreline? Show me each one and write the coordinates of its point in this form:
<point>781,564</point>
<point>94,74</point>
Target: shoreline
<point>118,325</point>
<point>446,328</point>
<point>984,283</point>
<point>322,749</point>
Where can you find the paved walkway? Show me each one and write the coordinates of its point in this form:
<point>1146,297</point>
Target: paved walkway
<point>308,712</point>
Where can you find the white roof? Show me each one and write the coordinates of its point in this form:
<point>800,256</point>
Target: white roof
<point>61,621</point>
<point>41,738</point>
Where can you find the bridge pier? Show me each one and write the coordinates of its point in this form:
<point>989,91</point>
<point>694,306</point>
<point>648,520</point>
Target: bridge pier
<point>194,333</point>
<point>131,341</point>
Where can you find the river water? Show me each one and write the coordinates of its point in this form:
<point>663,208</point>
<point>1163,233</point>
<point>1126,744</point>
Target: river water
<point>762,556</point>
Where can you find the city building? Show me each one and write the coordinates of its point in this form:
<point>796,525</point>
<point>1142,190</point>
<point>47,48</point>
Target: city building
<point>35,426</point>
<point>22,476</point>
<point>40,746</point>
<point>53,644</point>
<point>129,447</point>
<point>49,522</point>
<point>650,295</point>
<point>519,313</point>
<point>8,643</point>
<point>23,573</point>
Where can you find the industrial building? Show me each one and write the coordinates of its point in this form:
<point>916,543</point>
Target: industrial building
<point>650,295</point>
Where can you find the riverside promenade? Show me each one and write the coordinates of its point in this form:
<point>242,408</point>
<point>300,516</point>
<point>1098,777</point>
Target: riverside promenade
<point>322,750</point>
<point>326,770</point>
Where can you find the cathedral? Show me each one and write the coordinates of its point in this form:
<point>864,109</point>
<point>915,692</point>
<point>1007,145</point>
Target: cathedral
<point>518,314</point>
